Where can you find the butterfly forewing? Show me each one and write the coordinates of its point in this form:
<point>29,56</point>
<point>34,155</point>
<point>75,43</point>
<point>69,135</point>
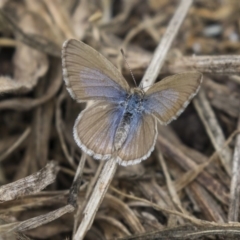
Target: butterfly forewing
<point>140,141</point>
<point>90,76</point>
<point>167,99</point>
<point>95,128</point>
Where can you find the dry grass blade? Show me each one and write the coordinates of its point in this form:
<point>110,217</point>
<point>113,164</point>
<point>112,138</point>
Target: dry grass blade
<point>37,221</point>
<point>213,129</point>
<point>59,130</point>
<point>74,190</point>
<point>188,232</point>
<point>235,190</point>
<point>15,145</point>
<point>225,64</point>
<point>170,185</point>
<point>161,51</point>
<point>96,198</point>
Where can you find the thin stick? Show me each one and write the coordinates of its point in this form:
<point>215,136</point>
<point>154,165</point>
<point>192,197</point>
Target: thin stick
<point>213,129</point>
<point>96,198</point>
<point>151,75</point>
<point>16,144</point>
<point>74,190</point>
<point>235,191</point>
<point>171,188</point>
<point>160,53</point>
<point>222,64</point>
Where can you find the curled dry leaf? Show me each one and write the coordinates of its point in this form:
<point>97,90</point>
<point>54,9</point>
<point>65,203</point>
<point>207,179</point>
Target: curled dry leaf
<point>29,64</point>
<point>7,84</point>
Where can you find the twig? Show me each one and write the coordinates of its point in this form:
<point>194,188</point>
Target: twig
<point>235,190</point>
<point>30,184</point>
<point>160,53</point>
<point>163,209</point>
<point>16,144</point>
<point>213,129</point>
<point>188,232</point>
<point>171,188</point>
<point>78,215</point>
<point>149,77</point>
<point>223,64</point>
<point>187,163</point>
<point>74,190</point>
<point>36,221</point>
<point>96,198</point>
<point>59,123</point>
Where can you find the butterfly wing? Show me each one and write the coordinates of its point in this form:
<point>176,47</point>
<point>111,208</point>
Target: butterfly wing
<point>167,99</point>
<point>90,76</point>
<point>140,140</point>
<point>95,128</point>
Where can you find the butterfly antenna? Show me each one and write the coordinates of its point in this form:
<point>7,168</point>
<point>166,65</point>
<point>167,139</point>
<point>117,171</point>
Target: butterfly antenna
<point>128,67</point>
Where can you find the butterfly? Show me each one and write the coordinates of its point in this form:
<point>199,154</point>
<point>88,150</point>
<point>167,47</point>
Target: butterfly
<point>122,121</point>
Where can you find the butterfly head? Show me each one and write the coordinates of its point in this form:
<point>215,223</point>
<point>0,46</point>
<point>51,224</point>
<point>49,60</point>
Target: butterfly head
<point>137,91</point>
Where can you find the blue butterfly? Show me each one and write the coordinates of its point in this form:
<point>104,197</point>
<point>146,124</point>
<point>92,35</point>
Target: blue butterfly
<point>122,121</point>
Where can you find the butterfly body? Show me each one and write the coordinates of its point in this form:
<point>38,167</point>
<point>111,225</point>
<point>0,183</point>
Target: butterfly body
<point>132,110</point>
<point>122,121</point>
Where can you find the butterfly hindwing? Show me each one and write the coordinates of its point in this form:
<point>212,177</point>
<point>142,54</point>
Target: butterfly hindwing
<point>140,140</point>
<point>88,75</point>
<point>95,128</point>
<point>167,99</point>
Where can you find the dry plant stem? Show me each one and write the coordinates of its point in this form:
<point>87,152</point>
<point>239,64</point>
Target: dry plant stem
<point>59,130</point>
<point>36,221</point>
<point>170,185</point>
<point>7,42</point>
<point>126,212</point>
<point>163,209</point>
<point>213,129</point>
<point>78,216</point>
<point>188,232</point>
<point>16,144</point>
<point>224,64</point>
<point>194,220</point>
<point>107,11</point>
<point>235,190</point>
<point>189,176</point>
<point>160,53</point>
<point>187,163</point>
<point>31,184</point>
<point>113,222</point>
<point>96,198</point>
<point>148,79</point>
<point>74,190</point>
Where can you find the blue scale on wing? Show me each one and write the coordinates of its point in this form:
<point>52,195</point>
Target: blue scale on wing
<point>97,84</point>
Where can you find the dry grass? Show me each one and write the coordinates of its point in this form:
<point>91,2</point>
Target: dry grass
<point>187,189</point>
